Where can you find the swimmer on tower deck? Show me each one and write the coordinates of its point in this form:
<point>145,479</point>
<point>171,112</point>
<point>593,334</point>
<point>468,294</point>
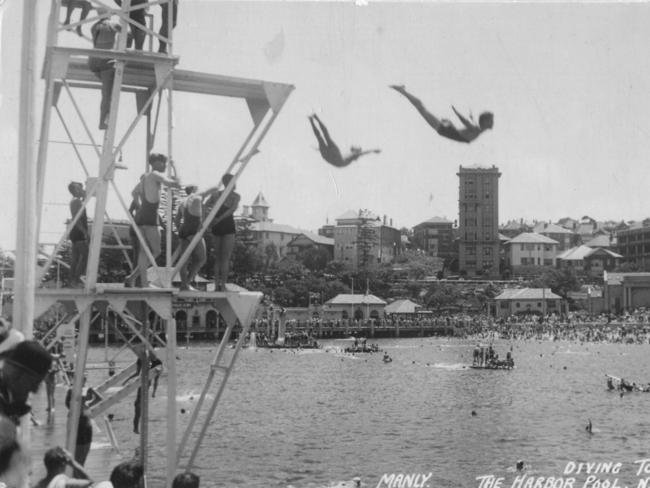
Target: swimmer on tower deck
<point>188,222</point>
<point>147,192</point>
<point>445,127</point>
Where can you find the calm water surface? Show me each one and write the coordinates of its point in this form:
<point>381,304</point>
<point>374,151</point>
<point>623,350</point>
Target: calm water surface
<point>315,418</point>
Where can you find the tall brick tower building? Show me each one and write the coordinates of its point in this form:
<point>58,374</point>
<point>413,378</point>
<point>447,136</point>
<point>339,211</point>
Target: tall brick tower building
<point>478,211</point>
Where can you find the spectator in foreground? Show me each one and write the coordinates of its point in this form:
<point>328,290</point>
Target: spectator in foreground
<point>186,480</point>
<point>56,461</point>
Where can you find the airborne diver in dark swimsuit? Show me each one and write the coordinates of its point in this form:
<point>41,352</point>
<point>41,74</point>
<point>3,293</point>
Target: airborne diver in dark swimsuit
<point>329,150</point>
<point>445,127</point>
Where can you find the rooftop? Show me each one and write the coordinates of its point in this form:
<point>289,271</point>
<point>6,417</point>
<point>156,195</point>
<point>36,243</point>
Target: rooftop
<point>356,299</point>
<point>436,220</point>
<point>273,227</point>
<point>402,306</point>
<point>315,238</point>
<point>260,201</point>
<point>531,238</point>
<point>546,228</point>
<point>527,294</point>
<point>603,240</point>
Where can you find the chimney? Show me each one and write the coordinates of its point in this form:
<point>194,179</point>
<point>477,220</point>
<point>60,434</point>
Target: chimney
<point>384,219</point>
<point>391,222</point>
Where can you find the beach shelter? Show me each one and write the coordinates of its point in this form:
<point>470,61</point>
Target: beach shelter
<point>402,306</point>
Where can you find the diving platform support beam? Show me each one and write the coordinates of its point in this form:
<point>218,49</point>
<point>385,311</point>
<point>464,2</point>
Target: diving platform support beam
<point>26,235</point>
<point>147,75</point>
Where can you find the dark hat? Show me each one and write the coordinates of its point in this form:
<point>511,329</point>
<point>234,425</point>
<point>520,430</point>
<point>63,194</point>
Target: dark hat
<point>31,356</point>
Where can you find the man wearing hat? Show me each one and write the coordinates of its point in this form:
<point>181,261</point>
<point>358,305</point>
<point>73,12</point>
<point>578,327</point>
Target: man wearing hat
<point>22,369</point>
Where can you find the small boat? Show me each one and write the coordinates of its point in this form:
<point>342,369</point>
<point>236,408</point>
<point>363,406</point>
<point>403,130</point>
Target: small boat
<point>484,357</point>
<point>621,384</point>
<point>360,346</point>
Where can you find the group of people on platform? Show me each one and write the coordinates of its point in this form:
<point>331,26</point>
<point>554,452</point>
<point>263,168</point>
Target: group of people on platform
<point>489,358</point>
<point>24,366</point>
<point>188,220</point>
<point>104,34</point>
<point>624,385</point>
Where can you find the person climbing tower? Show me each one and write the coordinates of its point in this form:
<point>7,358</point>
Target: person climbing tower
<point>72,5</point>
<point>329,150</point>
<point>104,33</point>
<point>445,127</point>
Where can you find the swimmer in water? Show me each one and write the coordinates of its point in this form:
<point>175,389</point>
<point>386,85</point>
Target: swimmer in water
<point>588,427</point>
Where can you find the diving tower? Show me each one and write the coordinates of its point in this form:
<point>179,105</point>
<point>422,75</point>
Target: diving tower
<point>151,77</point>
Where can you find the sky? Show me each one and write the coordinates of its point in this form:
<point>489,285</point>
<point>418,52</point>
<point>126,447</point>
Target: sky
<point>568,83</point>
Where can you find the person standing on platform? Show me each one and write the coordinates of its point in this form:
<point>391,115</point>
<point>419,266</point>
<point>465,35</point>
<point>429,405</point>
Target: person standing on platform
<point>136,14</point>
<point>223,230</point>
<point>164,31</point>
<point>146,218</point>
<point>71,5</point>
<point>104,33</point>
<point>155,366</point>
<point>50,383</point>
<point>78,235</point>
<point>188,222</point>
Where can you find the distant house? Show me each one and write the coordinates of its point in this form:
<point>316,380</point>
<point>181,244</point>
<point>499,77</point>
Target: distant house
<point>513,228</point>
<point>280,235</point>
<point>574,258</point>
<point>402,307</point>
<point>590,261</point>
<point>267,232</point>
<point>565,238</point>
<point>308,240</point>
<point>514,301</point>
<point>588,228</point>
<point>353,306</point>
<point>531,249</point>
<point>568,223</point>
<point>604,241</point>
<point>435,236</point>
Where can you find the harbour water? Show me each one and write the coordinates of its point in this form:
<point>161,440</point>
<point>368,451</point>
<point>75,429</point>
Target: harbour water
<point>315,418</point>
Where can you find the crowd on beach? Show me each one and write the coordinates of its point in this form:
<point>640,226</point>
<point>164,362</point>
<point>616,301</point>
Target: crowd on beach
<point>629,328</point>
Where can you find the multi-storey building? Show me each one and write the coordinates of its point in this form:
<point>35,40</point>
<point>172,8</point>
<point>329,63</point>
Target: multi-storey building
<point>634,243</point>
<point>435,237</point>
<point>531,249</point>
<point>266,232</point>
<point>364,239</point>
<point>479,221</point>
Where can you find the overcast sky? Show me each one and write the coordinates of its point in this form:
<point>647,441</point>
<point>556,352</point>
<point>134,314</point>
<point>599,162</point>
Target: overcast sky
<point>569,85</point>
